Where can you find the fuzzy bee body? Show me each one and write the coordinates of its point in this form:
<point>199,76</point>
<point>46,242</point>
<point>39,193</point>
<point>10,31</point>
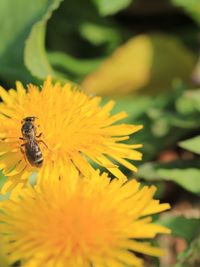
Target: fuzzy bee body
<point>31,149</point>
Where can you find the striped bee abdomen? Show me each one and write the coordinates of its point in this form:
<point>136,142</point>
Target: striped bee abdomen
<point>34,154</point>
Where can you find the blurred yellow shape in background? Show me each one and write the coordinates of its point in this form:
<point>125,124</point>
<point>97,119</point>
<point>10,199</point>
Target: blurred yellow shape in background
<point>149,62</point>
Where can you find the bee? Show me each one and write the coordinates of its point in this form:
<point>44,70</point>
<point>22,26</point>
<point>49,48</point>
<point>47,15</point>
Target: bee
<point>31,147</point>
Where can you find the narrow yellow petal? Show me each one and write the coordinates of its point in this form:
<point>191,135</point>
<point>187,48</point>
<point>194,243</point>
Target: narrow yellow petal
<point>82,164</point>
<point>117,117</point>
<point>128,258</point>
<point>155,207</point>
<point>122,129</point>
<point>5,96</point>
<point>114,170</point>
<point>109,106</point>
<point>143,248</point>
<point>125,163</point>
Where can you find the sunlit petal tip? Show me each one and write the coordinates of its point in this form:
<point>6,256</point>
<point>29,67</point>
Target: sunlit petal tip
<point>138,127</point>
<point>153,189</point>
<point>166,206</point>
<point>5,96</point>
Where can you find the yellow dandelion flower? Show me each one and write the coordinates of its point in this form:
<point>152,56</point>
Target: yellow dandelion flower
<point>91,222</point>
<point>74,128</point>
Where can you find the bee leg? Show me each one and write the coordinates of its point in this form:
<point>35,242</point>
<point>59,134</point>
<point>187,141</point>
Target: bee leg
<point>24,168</point>
<point>39,135</point>
<point>20,162</point>
<point>23,152</point>
<point>41,141</point>
<point>21,148</point>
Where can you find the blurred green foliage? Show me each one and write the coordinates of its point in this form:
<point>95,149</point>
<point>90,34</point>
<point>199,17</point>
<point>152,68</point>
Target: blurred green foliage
<point>190,257</point>
<point>192,7</point>
<point>192,144</point>
<point>142,53</point>
<point>181,226</point>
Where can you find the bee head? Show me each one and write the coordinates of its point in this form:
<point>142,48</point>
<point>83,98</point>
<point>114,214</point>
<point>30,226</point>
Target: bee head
<point>29,119</point>
<point>28,130</point>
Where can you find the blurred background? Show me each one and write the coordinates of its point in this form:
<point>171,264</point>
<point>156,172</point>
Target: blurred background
<point>146,55</point>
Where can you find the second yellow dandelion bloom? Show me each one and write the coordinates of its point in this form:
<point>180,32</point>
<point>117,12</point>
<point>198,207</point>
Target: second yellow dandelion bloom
<point>74,127</point>
<point>90,222</point>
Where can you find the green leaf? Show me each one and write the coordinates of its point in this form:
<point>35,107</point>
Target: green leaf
<point>107,7</point>
<point>184,173</point>
<point>192,7</point>
<point>16,20</point>
<point>187,178</point>
<point>98,34</point>
<point>189,102</point>
<point>77,29</point>
<point>35,55</point>
<point>192,144</point>
<point>141,104</point>
<point>181,226</point>
<point>72,65</point>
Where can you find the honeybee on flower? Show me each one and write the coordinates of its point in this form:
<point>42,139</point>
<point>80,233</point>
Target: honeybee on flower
<point>75,128</point>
